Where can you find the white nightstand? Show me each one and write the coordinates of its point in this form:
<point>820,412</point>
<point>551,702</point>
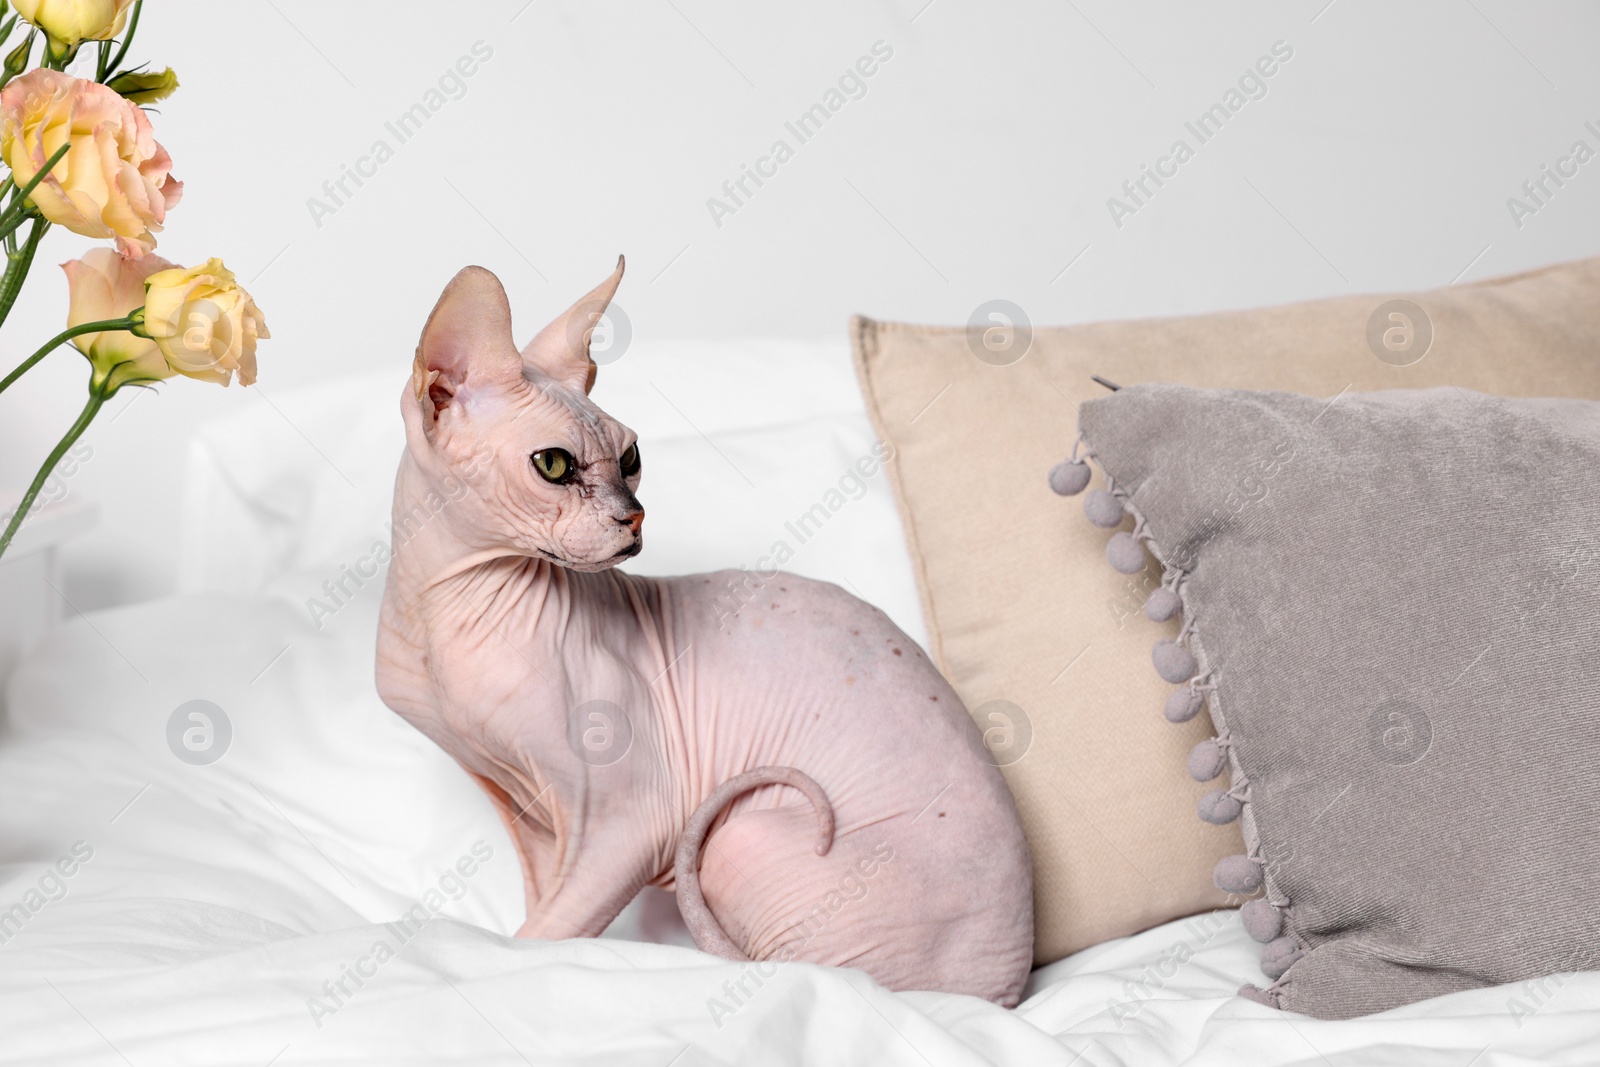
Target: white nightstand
<point>30,573</point>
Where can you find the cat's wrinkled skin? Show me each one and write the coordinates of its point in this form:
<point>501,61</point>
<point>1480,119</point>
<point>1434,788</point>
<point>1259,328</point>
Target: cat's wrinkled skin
<point>504,622</point>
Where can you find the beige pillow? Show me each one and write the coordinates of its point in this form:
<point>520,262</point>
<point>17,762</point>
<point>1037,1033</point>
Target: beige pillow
<point>1020,604</point>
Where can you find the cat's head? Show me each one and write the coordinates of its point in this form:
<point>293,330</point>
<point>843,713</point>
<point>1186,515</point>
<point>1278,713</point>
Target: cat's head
<point>516,458</point>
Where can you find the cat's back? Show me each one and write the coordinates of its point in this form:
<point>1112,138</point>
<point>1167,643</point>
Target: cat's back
<point>813,659</point>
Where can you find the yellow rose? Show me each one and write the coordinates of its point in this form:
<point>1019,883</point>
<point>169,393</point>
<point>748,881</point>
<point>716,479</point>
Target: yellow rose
<point>113,182</point>
<point>67,22</point>
<point>203,322</point>
<point>105,285</point>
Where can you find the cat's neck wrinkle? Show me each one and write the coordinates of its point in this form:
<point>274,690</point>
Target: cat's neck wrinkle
<point>426,549</point>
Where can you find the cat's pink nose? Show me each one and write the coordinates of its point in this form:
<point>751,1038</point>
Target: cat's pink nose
<point>633,521</point>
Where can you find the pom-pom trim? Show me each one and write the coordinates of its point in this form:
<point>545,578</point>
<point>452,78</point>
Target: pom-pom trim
<point>1190,669</point>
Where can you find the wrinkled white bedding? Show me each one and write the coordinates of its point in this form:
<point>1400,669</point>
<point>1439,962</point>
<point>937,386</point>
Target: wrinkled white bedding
<point>219,899</point>
<point>334,890</point>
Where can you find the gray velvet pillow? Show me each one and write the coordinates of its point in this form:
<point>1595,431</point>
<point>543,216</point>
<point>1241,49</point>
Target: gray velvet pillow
<point>1391,605</point>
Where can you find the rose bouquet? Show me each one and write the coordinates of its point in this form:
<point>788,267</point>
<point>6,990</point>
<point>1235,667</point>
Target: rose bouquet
<point>81,154</point>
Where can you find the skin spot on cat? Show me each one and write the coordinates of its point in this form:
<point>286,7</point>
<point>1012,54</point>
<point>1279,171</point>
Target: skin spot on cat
<point>897,652</point>
<point>941,815</point>
<point>934,699</point>
<point>849,679</point>
<point>855,633</point>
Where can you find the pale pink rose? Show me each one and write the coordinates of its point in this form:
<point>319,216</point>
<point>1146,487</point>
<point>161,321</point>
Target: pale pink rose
<point>114,180</point>
<point>107,285</point>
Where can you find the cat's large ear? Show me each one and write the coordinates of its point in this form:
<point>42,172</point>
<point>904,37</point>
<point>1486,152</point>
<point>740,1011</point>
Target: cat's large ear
<point>466,344</point>
<point>561,349</point>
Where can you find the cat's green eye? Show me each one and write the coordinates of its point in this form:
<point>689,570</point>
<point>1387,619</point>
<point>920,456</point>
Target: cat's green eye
<point>554,464</point>
<point>629,461</point>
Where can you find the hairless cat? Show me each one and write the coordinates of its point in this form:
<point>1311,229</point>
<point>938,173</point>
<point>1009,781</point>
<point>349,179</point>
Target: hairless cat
<point>798,773</point>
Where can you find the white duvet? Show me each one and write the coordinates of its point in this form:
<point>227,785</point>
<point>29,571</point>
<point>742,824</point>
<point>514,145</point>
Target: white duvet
<point>333,890</point>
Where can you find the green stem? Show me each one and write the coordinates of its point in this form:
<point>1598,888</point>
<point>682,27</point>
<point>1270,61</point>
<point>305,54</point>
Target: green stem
<point>62,338</point>
<point>11,225</point>
<point>127,39</point>
<point>97,397</point>
<point>17,266</point>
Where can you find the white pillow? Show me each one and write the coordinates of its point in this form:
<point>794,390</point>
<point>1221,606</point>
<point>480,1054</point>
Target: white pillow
<point>740,440</point>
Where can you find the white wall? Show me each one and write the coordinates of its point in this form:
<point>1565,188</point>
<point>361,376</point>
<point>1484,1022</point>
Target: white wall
<point>977,165</point>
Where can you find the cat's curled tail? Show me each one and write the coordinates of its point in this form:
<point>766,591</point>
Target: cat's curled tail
<point>703,926</point>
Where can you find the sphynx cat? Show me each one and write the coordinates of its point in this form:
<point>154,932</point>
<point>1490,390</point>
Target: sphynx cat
<point>798,773</point>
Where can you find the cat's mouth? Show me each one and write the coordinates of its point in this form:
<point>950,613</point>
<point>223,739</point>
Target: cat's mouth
<point>605,563</point>
<point>591,565</point>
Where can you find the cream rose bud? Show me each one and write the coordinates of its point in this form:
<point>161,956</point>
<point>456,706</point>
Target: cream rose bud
<point>203,322</point>
<point>115,179</point>
<point>67,22</point>
<point>106,285</point>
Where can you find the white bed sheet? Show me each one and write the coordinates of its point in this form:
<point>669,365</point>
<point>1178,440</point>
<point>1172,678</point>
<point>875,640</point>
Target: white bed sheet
<point>220,898</point>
